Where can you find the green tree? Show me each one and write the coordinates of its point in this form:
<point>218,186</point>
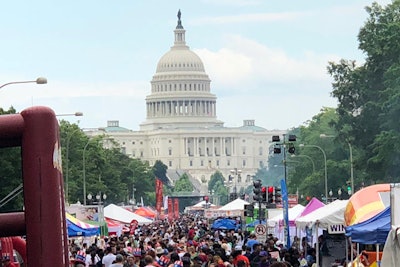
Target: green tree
<point>10,175</point>
<point>217,185</point>
<point>215,178</point>
<point>368,96</point>
<point>160,171</point>
<point>183,184</point>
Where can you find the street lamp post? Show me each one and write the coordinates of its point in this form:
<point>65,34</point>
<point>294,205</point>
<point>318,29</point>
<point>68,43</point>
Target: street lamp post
<point>326,170</point>
<point>351,160</point>
<point>100,198</point>
<point>235,172</point>
<point>67,164</point>
<point>77,114</point>
<point>40,80</point>
<point>305,156</point>
<point>84,171</point>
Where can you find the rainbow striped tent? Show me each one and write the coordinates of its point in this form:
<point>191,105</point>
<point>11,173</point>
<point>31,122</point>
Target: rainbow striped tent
<point>76,227</point>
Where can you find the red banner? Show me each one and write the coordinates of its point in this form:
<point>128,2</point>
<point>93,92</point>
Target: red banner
<point>176,208</point>
<point>159,195</point>
<point>170,209</point>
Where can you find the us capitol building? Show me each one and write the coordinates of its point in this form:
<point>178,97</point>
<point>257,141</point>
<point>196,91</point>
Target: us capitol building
<point>182,130</point>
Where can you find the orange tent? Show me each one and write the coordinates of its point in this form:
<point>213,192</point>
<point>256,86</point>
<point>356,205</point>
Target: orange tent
<point>366,203</point>
<point>145,212</point>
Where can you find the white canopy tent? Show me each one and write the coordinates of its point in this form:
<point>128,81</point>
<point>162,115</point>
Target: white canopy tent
<point>293,213</point>
<point>120,214</point>
<point>237,204</point>
<point>331,214</point>
<point>201,204</point>
<point>322,218</point>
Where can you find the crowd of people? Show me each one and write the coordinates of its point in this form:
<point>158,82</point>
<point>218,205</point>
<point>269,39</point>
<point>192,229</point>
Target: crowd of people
<point>189,242</point>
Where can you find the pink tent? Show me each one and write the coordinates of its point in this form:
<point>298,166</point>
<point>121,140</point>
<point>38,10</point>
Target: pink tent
<point>314,204</point>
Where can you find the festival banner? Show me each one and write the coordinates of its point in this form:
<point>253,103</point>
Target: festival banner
<point>176,208</point>
<point>170,209</point>
<point>159,195</point>
<point>285,201</point>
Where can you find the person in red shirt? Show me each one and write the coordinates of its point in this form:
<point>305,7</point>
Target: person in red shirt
<point>191,233</point>
<point>237,256</point>
<point>7,262</point>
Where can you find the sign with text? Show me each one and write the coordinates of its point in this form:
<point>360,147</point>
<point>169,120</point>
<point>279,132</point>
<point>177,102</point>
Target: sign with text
<point>211,213</point>
<point>334,229</point>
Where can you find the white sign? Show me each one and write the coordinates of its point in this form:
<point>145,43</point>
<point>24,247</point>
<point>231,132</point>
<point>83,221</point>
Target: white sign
<point>211,213</point>
<point>261,233</point>
<point>336,229</point>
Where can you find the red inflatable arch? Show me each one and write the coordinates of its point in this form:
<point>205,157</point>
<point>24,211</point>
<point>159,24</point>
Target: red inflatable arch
<point>36,131</point>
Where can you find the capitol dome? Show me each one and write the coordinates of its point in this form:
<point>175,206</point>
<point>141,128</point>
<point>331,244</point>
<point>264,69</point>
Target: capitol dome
<point>180,58</point>
<point>180,90</point>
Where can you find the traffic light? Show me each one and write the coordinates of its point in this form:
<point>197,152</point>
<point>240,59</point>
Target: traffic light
<point>205,198</point>
<point>270,193</point>
<point>349,187</point>
<point>291,148</point>
<point>264,194</point>
<point>232,196</point>
<point>277,149</point>
<point>275,138</point>
<point>249,210</point>
<point>257,190</point>
<point>278,195</point>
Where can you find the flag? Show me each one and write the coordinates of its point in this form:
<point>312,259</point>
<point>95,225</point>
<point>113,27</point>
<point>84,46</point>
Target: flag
<point>176,208</point>
<point>159,194</point>
<point>170,209</point>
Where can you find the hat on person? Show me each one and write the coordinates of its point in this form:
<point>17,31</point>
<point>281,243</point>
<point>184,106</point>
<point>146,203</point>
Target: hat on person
<point>137,252</point>
<point>279,242</point>
<point>163,261</point>
<point>159,250</point>
<point>80,257</point>
<point>263,253</point>
<point>238,248</point>
<point>178,264</point>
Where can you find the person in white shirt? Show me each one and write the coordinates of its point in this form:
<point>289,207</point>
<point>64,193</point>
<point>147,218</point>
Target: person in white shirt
<point>119,261</point>
<point>109,258</point>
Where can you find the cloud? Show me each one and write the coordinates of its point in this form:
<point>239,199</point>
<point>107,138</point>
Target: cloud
<point>233,2</point>
<point>241,18</point>
<point>244,63</point>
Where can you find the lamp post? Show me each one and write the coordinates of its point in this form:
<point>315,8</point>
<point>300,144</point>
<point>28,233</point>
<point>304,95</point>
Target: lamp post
<point>305,156</point>
<point>235,172</point>
<point>84,171</point>
<point>351,160</point>
<point>77,114</point>
<point>326,170</point>
<point>100,198</point>
<point>40,80</point>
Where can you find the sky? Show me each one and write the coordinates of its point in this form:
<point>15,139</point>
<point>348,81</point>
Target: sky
<point>267,60</point>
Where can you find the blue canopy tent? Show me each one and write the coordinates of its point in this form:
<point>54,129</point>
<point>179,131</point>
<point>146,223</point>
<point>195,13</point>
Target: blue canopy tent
<point>372,231</point>
<point>255,222</point>
<point>76,227</point>
<point>225,224</point>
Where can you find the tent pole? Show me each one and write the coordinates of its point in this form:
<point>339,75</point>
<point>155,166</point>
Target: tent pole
<point>317,244</point>
<point>347,249</point>
<point>377,254</point>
